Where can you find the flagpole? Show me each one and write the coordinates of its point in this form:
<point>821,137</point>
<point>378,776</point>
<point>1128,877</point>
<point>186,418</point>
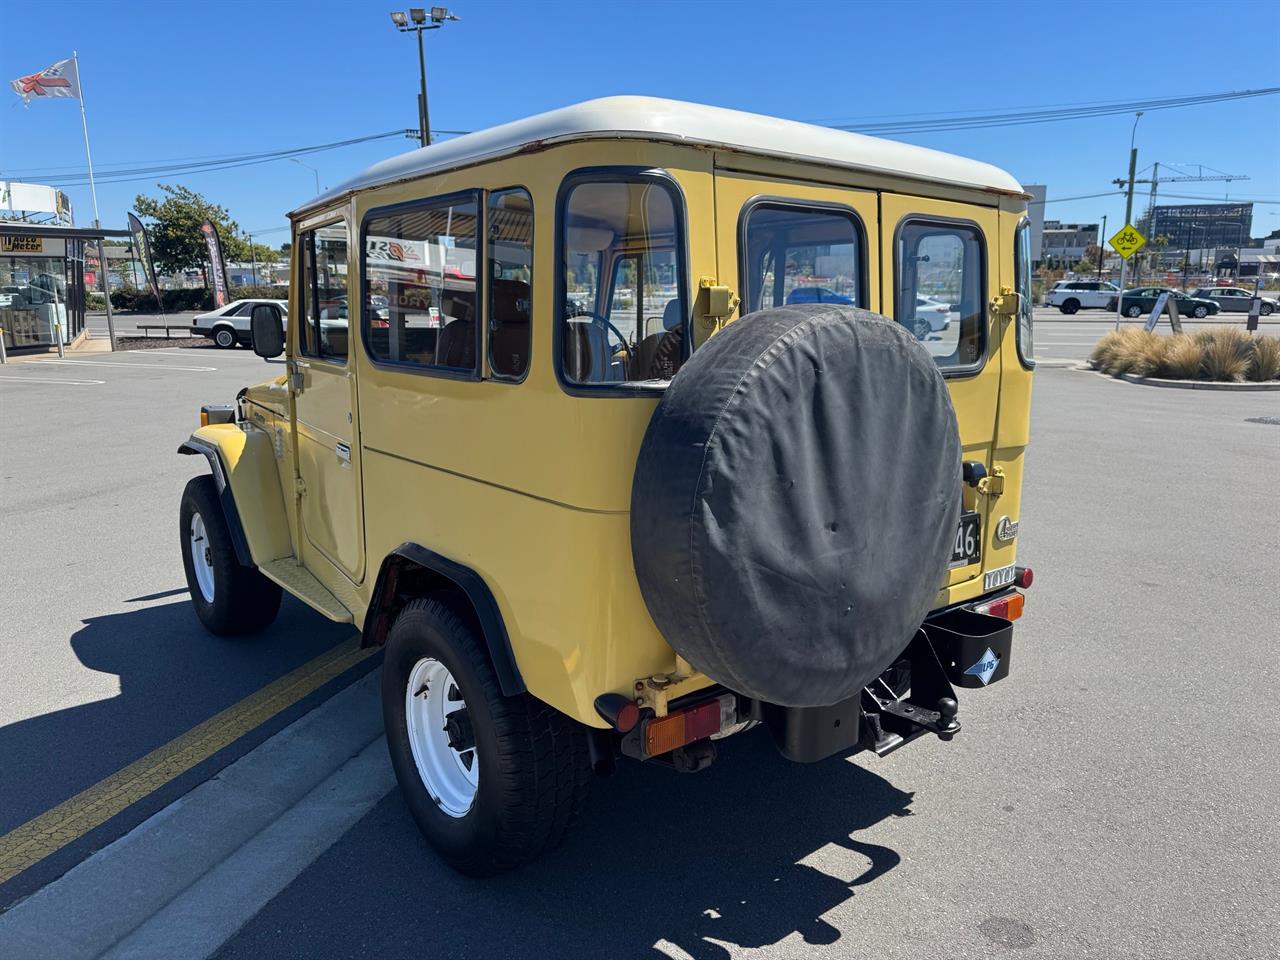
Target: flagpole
<point>93,189</point>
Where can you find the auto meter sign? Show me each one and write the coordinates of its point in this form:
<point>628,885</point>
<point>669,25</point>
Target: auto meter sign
<point>218,266</point>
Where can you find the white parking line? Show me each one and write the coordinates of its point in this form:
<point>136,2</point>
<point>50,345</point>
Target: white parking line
<point>117,363</point>
<point>78,383</point>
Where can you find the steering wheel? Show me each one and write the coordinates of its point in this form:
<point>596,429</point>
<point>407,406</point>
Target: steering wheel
<point>606,327</point>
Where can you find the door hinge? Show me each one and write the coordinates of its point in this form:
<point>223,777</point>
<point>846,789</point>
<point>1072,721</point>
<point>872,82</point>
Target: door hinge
<point>295,376</point>
<point>714,306</point>
<point>1007,302</point>
<point>299,486</point>
<point>992,485</point>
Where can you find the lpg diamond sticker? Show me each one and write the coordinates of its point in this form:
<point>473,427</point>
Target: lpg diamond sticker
<point>985,667</point>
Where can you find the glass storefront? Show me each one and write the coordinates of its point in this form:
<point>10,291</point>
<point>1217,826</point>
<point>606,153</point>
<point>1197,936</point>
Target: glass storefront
<point>41,290</point>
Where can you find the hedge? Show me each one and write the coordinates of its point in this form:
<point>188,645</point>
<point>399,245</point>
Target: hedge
<point>198,298</point>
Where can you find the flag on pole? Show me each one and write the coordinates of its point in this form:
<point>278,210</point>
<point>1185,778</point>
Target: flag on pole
<point>62,79</point>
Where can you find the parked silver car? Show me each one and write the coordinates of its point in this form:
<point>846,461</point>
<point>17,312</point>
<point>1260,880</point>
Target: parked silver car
<point>1236,299</point>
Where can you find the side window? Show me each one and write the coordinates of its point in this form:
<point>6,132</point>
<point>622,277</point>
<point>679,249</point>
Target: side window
<point>420,259</point>
<point>1022,284</point>
<point>941,290</point>
<point>800,254</point>
<point>622,257</point>
<point>322,330</point>
<point>510,257</point>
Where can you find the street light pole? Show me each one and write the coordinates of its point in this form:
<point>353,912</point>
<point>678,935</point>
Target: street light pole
<point>1102,238</point>
<point>419,18</point>
<point>313,170</point>
<point>1128,209</point>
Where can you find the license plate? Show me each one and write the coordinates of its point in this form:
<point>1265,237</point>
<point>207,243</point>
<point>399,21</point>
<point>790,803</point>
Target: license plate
<point>1000,577</point>
<point>968,545</point>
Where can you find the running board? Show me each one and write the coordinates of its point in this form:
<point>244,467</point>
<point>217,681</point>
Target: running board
<point>302,584</point>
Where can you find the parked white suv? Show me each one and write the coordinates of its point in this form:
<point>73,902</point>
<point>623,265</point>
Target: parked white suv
<point>1072,295</point>
<point>229,325</point>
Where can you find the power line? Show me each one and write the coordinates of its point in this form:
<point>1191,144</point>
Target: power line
<point>1050,114</point>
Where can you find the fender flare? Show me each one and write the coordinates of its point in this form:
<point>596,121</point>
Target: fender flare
<point>412,556</point>
<point>225,497</point>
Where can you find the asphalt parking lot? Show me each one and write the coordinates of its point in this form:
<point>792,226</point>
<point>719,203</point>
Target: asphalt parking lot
<point>1111,798</point>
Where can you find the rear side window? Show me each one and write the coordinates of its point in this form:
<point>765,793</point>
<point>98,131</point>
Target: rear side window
<point>510,292</point>
<point>623,310</point>
<point>420,284</point>
<point>796,254</point>
<point>941,288</point>
<point>1022,284</point>
<point>322,332</point>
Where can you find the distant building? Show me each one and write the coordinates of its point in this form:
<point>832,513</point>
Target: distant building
<point>1200,225</point>
<point>1067,242</point>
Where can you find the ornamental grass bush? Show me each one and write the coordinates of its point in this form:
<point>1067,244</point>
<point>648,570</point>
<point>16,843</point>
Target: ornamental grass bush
<point>1227,354</point>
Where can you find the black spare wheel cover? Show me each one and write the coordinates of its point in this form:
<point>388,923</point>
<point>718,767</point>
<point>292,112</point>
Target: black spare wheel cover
<point>796,500</point>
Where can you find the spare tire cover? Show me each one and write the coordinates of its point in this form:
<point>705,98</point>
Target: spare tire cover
<point>795,502</point>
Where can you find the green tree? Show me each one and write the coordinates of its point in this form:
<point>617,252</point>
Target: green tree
<point>176,241</point>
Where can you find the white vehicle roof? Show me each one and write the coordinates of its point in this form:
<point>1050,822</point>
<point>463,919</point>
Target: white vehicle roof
<point>674,121</point>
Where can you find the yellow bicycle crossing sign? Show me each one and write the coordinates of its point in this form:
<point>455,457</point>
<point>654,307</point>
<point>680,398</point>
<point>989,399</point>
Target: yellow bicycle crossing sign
<point>1128,241</point>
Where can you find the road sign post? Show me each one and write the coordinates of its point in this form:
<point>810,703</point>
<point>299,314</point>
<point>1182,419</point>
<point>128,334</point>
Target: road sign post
<point>1127,241</point>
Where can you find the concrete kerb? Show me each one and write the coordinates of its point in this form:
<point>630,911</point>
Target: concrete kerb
<point>266,816</point>
<point>1245,386</point>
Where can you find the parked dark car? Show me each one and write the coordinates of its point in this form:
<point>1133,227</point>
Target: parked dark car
<point>1143,300</point>
<point>1236,299</point>
<point>817,295</point>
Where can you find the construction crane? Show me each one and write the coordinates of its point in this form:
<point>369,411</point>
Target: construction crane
<point>1180,177</point>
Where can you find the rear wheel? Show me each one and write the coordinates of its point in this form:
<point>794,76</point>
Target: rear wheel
<point>493,782</point>
<point>229,598</point>
<point>1070,306</point>
<point>224,337</point>
<point>922,329</point>
<point>1133,311</point>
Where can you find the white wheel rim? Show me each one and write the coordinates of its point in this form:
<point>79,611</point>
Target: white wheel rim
<point>224,338</point>
<point>450,775</point>
<point>201,557</point>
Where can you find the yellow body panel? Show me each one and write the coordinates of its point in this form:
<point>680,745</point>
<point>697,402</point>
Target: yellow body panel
<point>530,486</point>
<point>249,464</point>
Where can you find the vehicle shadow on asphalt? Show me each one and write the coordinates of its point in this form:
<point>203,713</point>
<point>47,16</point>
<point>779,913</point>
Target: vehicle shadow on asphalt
<point>172,675</point>
<point>659,859</point>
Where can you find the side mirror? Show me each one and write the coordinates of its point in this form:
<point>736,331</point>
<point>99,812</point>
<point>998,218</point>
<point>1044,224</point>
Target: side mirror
<point>266,324</point>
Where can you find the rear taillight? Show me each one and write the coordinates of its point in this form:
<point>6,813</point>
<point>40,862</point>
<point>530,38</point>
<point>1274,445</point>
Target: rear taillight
<point>664,734</point>
<point>1008,608</point>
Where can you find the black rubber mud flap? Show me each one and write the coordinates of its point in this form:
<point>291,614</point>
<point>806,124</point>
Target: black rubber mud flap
<point>795,502</point>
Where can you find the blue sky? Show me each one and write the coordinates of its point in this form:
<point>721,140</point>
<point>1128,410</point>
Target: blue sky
<point>193,79</point>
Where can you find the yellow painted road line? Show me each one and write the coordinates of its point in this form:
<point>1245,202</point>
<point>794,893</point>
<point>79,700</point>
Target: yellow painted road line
<point>68,821</point>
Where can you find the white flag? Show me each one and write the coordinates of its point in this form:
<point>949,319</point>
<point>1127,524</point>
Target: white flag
<point>59,80</point>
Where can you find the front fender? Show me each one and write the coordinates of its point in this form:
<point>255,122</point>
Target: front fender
<point>242,458</point>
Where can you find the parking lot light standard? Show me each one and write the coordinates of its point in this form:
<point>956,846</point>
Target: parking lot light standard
<point>417,20</point>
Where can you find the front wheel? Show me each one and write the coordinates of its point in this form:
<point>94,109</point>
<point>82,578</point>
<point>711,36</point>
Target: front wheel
<point>1266,310</point>
<point>1200,312</point>
<point>493,782</point>
<point>229,598</point>
<point>1134,311</point>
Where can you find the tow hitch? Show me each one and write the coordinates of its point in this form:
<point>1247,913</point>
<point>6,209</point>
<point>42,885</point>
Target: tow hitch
<point>890,721</point>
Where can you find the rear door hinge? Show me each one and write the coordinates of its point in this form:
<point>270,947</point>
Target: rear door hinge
<point>1007,303</point>
<point>300,486</point>
<point>992,485</point>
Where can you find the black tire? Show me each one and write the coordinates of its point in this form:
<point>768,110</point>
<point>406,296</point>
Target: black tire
<point>224,337</point>
<point>1200,312</point>
<point>534,762</point>
<point>1070,306</point>
<point>244,601</point>
<point>1133,311</point>
<point>1266,310</point>
<point>922,329</point>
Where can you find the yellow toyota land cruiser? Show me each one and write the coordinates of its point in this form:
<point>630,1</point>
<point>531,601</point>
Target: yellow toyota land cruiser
<point>628,427</point>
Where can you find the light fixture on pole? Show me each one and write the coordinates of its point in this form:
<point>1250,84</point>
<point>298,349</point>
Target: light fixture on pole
<point>416,21</point>
<point>312,169</point>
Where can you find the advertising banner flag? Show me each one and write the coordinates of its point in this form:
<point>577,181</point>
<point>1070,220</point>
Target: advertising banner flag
<point>219,266</point>
<point>142,251</point>
<point>62,79</point>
